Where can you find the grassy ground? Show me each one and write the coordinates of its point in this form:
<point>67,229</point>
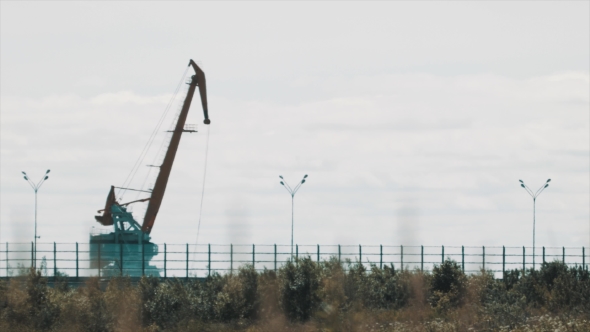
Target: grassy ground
<point>307,296</point>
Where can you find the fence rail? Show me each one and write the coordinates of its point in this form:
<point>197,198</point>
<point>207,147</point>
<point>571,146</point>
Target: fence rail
<point>188,260</point>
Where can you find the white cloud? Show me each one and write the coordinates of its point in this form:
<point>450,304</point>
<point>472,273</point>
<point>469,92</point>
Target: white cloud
<point>368,154</point>
<point>417,114</point>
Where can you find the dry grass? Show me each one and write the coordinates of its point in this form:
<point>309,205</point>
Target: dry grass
<point>306,296</point>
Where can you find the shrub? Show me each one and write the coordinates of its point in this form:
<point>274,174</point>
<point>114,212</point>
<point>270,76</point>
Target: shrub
<point>239,295</point>
<point>299,288</point>
<point>500,307</point>
<point>15,310</point>
<point>268,295</point>
<point>169,305</point>
<point>122,300</point>
<point>248,277</point>
<point>332,297</point>
<point>448,285</point>
<point>355,283</point>
<point>333,279</point>
<point>386,289</point>
<point>570,290</point>
<point>95,315</point>
<point>511,278</point>
<point>207,296</point>
<point>531,286</point>
<point>147,287</point>
<point>42,311</point>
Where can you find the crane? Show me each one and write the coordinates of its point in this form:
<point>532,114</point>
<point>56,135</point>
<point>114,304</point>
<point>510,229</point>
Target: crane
<point>128,233</point>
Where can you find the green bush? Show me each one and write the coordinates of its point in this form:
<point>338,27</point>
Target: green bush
<point>448,285</point>
<point>95,315</point>
<point>386,288</point>
<point>41,310</point>
<point>147,287</point>
<point>355,283</point>
<point>300,288</point>
<point>570,291</point>
<point>500,307</point>
<point>239,296</point>
<point>169,306</point>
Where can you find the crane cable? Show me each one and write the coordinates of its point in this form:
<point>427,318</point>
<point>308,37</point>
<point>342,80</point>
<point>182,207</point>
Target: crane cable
<point>202,192</point>
<point>150,141</point>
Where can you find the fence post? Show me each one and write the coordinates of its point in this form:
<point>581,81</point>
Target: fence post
<point>296,252</point>
<point>523,259</point>
<point>165,260</point>
<point>76,260</point>
<point>402,257</point>
<point>209,259</point>
<point>318,253</point>
<point>503,262</point>
<point>253,257</point>
<point>543,255</point>
<point>360,254</point>
<point>443,255</point>
<point>339,254</point>
<point>231,258</point>
<point>484,257</point>
<point>563,256</point>
<point>143,258</point>
<point>583,259</point>
<point>32,254</point>
<point>381,256</point>
<point>54,260</point>
<point>421,258</point>
<point>99,259</point>
<point>121,257</point>
<point>463,258</point>
<point>275,258</point>
<point>186,267</point>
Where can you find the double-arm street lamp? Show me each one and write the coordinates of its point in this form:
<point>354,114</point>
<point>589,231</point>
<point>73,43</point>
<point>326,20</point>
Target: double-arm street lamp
<point>534,196</point>
<point>292,192</point>
<point>36,188</point>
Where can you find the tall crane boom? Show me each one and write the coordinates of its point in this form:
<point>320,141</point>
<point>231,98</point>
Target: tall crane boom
<point>162,180</point>
<point>128,248</point>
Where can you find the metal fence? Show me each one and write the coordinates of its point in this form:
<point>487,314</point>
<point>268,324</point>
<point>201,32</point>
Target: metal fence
<point>189,260</point>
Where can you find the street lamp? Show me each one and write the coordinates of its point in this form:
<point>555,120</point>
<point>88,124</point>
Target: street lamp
<point>36,188</point>
<point>534,196</point>
<point>292,192</point>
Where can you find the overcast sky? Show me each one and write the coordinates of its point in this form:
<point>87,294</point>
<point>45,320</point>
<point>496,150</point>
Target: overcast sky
<point>414,120</point>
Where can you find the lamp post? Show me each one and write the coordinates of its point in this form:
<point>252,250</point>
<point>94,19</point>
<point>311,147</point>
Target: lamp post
<point>36,189</point>
<point>292,192</point>
<point>534,196</point>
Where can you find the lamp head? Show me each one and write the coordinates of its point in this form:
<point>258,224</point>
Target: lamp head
<point>305,176</point>
<point>281,176</point>
<point>303,181</point>
<point>24,172</point>
<point>46,177</point>
<point>522,185</point>
<point>547,185</point>
<point>25,177</point>
<point>282,183</point>
<point>548,180</point>
<point>520,181</point>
